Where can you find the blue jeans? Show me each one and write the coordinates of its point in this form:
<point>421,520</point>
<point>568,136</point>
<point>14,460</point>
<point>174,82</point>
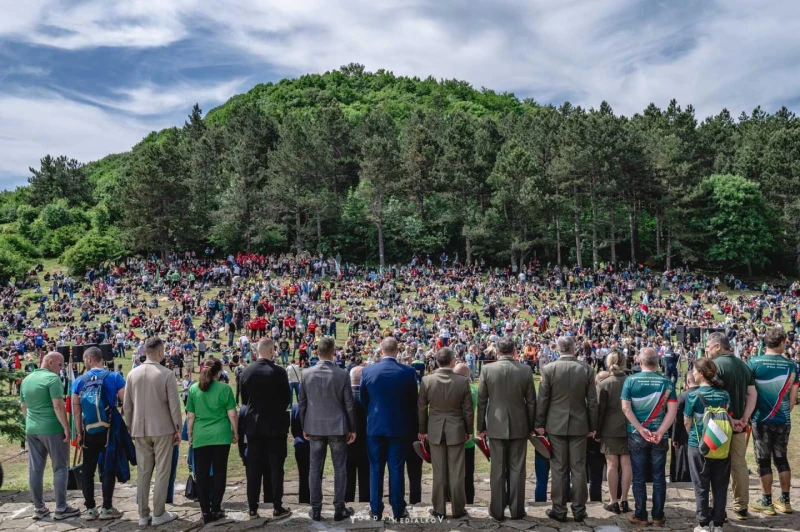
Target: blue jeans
<point>643,455</point>
<point>383,451</point>
<point>294,388</point>
<point>542,466</point>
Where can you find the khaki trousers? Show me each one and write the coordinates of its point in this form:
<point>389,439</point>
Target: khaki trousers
<point>568,462</point>
<point>508,462</point>
<point>448,476</point>
<point>740,479</point>
<point>153,452</point>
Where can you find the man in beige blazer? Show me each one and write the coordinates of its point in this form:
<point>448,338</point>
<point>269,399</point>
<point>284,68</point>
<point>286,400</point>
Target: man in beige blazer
<point>446,420</point>
<point>506,414</point>
<point>568,412</point>
<point>153,414</point>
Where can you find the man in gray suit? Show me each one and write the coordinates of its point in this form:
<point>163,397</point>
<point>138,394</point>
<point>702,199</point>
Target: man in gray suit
<point>506,414</point>
<point>568,412</point>
<point>446,420</point>
<point>328,418</point>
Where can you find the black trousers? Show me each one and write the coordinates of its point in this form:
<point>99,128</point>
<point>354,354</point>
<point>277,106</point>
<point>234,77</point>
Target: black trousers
<point>93,445</point>
<point>469,474</point>
<point>414,468</point>
<point>357,470</point>
<point>211,488</point>
<point>265,456</point>
<point>595,464</point>
<point>302,455</point>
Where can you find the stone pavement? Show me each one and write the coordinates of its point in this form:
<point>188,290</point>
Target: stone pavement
<point>16,511</point>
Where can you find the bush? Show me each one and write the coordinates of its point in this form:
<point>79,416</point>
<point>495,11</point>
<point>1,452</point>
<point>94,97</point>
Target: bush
<point>62,238</point>
<point>13,265</point>
<point>92,250</point>
<point>19,244</point>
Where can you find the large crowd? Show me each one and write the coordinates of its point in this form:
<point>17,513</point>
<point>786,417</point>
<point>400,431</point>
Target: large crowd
<point>198,323</point>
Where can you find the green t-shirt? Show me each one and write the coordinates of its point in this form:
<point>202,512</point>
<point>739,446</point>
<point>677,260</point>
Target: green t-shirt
<point>695,408</point>
<point>37,392</point>
<point>474,389</point>
<point>211,424</point>
<point>649,392</point>
<point>736,376</point>
<point>774,376</point>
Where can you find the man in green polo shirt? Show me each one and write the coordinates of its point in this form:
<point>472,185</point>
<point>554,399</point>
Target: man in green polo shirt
<point>737,380</point>
<point>47,432</point>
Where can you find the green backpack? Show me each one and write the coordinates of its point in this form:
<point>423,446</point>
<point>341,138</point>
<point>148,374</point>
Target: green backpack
<point>715,442</point>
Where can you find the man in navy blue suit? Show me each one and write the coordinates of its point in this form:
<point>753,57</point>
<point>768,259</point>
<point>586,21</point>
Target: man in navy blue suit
<point>389,396</point>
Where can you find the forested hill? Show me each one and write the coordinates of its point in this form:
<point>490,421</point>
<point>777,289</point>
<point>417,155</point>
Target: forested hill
<point>378,167</point>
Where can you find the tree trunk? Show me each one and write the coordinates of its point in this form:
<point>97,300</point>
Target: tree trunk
<point>468,243</point>
<point>668,265</point>
<point>577,238</point>
<point>558,243</point>
<point>421,205</point>
<point>379,225</point>
<point>658,235</point>
<point>632,221</point>
<point>595,260</point>
<point>319,228</point>
<point>298,238</point>
<point>749,270</point>
<point>613,239</point>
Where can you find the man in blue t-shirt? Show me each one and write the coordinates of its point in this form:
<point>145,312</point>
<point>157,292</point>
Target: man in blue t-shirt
<point>95,444</point>
<point>650,405</point>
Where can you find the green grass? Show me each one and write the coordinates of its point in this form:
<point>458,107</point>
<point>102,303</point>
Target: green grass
<point>15,463</point>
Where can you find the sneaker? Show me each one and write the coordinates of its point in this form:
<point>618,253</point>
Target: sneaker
<point>41,514</point>
<point>91,514</point>
<point>66,513</point>
<point>109,513</point>
<point>281,513</point>
<point>699,528</point>
<point>740,515</point>
<point>164,518</point>
<point>144,521</point>
<point>764,509</point>
<point>783,507</point>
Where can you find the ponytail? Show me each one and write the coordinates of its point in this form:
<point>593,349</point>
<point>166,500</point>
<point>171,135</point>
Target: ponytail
<point>208,372</point>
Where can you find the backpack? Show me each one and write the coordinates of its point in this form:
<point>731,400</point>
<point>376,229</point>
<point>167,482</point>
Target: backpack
<point>94,408</point>
<point>717,431</point>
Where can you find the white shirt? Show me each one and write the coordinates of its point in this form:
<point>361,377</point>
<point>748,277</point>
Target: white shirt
<point>293,372</point>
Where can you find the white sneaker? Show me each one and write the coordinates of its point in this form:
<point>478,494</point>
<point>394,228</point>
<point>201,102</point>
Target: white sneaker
<point>144,521</point>
<point>164,518</point>
<point>699,528</point>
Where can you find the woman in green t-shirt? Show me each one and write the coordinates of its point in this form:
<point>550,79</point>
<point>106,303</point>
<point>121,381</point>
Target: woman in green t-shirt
<point>212,427</point>
<point>707,474</point>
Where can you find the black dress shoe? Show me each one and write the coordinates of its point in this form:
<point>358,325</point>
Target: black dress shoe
<point>463,515</point>
<point>404,515</point>
<point>344,514</point>
<point>613,508</point>
<point>253,514</point>
<point>434,513</point>
<point>281,512</point>
<point>315,515</point>
<point>579,518</point>
<point>375,517</point>
<point>523,515</point>
<point>624,507</point>
<point>208,518</point>
<point>552,515</point>
<point>217,516</point>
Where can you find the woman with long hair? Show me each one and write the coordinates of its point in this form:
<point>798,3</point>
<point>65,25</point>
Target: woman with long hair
<point>706,472</point>
<point>212,428</point>
<point>613,433</point>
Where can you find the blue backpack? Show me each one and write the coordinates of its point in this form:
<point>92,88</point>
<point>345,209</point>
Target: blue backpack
<point>94,408</point>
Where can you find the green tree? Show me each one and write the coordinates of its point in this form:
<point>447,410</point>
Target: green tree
<point>13,265</point>
<point>59,177</point>
<point>92,250</point>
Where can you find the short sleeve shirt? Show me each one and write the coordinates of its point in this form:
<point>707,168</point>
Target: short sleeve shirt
<point>695,408</point>
<point>774,376</point>
<point>649,392</point>
<point>112,384</point>
<point>37,392</point>
<point>736,376</point>
<point>211,423</point>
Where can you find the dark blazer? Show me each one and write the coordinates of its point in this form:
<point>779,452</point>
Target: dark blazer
<point>326,401</point>
<point>361,423</point>
<point>389,396</point>
<point>567,398</point>
<point>611,422</point>
<point>506,400</point>
<point>266,392</point>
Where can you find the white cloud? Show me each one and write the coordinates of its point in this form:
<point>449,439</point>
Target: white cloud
<point>32,126</point>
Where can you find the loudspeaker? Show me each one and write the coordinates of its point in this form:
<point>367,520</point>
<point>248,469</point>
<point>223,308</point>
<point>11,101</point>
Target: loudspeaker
<point>694,334</point>
<point>77,353</point>
<point>680,330</point>
<point>64,350</point>
<point>108,353</point>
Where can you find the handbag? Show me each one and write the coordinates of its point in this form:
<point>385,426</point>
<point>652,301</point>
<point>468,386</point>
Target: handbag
<point>74,477</point>
<point>191,488</point>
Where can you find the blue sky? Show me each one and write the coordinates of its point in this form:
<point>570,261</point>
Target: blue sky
<point>86,78</point>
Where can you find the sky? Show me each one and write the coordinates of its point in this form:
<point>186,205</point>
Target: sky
<point>85,78</point>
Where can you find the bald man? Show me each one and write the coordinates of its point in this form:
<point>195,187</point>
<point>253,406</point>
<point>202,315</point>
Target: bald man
<point>47,432</point>
<point>469,447</point>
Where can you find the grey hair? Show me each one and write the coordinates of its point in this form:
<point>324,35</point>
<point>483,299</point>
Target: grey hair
<point>720,339</point>
<point>506,346</point>
<point>648,357</point>
<point>566,345</point>
<point>355,375</point>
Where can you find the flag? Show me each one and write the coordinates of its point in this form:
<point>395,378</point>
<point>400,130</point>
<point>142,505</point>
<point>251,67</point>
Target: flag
<point>761,348</point>
<point>70,381</point>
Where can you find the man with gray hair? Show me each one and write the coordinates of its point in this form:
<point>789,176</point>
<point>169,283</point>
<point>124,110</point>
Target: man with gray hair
<point>506,413</point>
<point>567,412</point>
<point>357,457</point>
<point>650,405</point>
<point>737,379</point>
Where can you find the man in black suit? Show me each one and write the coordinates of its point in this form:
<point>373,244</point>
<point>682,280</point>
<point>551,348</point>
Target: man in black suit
<point>265,391</point>
<point>357,457</point>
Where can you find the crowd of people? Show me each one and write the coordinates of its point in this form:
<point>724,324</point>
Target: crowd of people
<point>417,339</point>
